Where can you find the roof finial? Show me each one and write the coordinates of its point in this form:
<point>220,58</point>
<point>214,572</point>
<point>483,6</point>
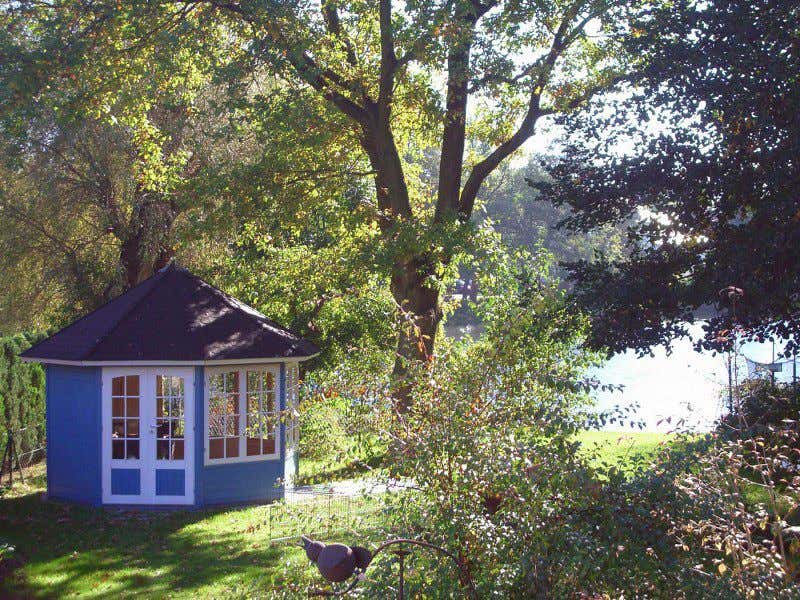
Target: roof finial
<point>170,263</point>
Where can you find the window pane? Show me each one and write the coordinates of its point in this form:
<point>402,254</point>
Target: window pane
<point>132,407</point>
<point>133,449</point>
<point>132,428</point>
<point>117,407</point>
<point>252,403</point>
<point>269,446</point>
<point>253,446</point>
<point>118,449</point>
<point>269,381</point>
<point>132,385</point>
<point>162,449</point>
<point>253,381</point>
<point>215,448</point>
<point>177,450</point>
<point>232,406</point>
<point>118,428</point>
<point>215,383</point>
<point>118,386</point>
<point>162,428</point>
<point>216,426</point>
<point>252,425</point>
<point>232,426</point>
<point>232,381</point>
<point>216,406</point>
<point>231,446</point>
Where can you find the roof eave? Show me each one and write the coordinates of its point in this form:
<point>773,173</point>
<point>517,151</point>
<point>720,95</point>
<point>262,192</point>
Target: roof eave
<point>173,363</point>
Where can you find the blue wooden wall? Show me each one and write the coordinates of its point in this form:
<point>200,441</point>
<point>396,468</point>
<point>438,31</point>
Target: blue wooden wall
<point>73,433</point>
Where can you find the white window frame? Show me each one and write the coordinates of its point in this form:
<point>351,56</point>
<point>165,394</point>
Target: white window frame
<point>242,369</point>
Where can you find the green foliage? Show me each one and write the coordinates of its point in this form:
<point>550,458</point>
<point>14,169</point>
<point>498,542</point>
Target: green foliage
<point>490,439</point>
<point>761,404</point>
<point>323,437</point>
<point>22,401</point>
<point>317,274</point>
<point>305,92</point>
<point>524,217</point>
<point>697,155</point>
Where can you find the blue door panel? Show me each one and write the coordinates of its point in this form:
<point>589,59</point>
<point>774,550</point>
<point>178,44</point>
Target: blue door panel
<point>170,482</point>
<point>126,482</point>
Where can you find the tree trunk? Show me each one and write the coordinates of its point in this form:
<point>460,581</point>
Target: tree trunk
<point>146,244</point>
<point>419,315</point>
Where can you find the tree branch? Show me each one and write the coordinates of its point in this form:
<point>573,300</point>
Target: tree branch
<point>388,59</point>
<point>323,80</point>
<point>330,12</point>
<point>561,40</point>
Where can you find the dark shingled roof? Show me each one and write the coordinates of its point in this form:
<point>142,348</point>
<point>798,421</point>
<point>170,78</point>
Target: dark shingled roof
<point>172,316</point>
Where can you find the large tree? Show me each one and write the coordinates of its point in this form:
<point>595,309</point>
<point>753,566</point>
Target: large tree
<point>462,75</point>
<point>90,192</point>
<point>700,157</point>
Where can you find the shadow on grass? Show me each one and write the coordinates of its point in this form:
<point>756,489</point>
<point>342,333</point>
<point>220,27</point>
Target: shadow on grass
<point>64,549</point>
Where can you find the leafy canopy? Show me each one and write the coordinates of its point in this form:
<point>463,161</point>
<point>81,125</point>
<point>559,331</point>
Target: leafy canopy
<point>699,158</point>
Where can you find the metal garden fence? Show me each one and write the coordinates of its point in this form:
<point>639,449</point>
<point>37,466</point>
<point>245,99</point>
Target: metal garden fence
<point>321,512</point>
<point>14,460</point>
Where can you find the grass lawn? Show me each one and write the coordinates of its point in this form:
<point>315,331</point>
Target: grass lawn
<point>617,447</point>
<point>64,550</point>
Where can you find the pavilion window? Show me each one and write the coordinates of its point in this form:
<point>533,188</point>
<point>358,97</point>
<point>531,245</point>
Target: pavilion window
<point>243,414</point>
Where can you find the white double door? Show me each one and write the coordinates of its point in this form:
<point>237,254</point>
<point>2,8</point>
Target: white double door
<point>148,435</point>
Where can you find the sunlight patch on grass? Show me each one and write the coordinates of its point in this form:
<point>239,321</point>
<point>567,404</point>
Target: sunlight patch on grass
<point>617,448</point>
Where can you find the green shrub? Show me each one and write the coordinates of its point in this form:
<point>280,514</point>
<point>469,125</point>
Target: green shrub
<point>22,394</point>
<point>323,436</point>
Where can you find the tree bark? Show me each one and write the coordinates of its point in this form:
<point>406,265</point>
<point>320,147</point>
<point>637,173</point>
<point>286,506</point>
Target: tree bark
<point>145,244</point>
<point>419,314</point>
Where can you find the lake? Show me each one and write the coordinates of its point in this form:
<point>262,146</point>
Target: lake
<point>683,386</point>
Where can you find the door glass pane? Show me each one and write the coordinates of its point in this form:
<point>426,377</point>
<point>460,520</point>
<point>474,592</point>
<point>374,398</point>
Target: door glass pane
<point>177,450</point>
<point>132,449</point>
<point>124,430</point>
<point>132,385</point>
<point>132,407</point>
<point>118,449</point>
<point>170,421</point>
